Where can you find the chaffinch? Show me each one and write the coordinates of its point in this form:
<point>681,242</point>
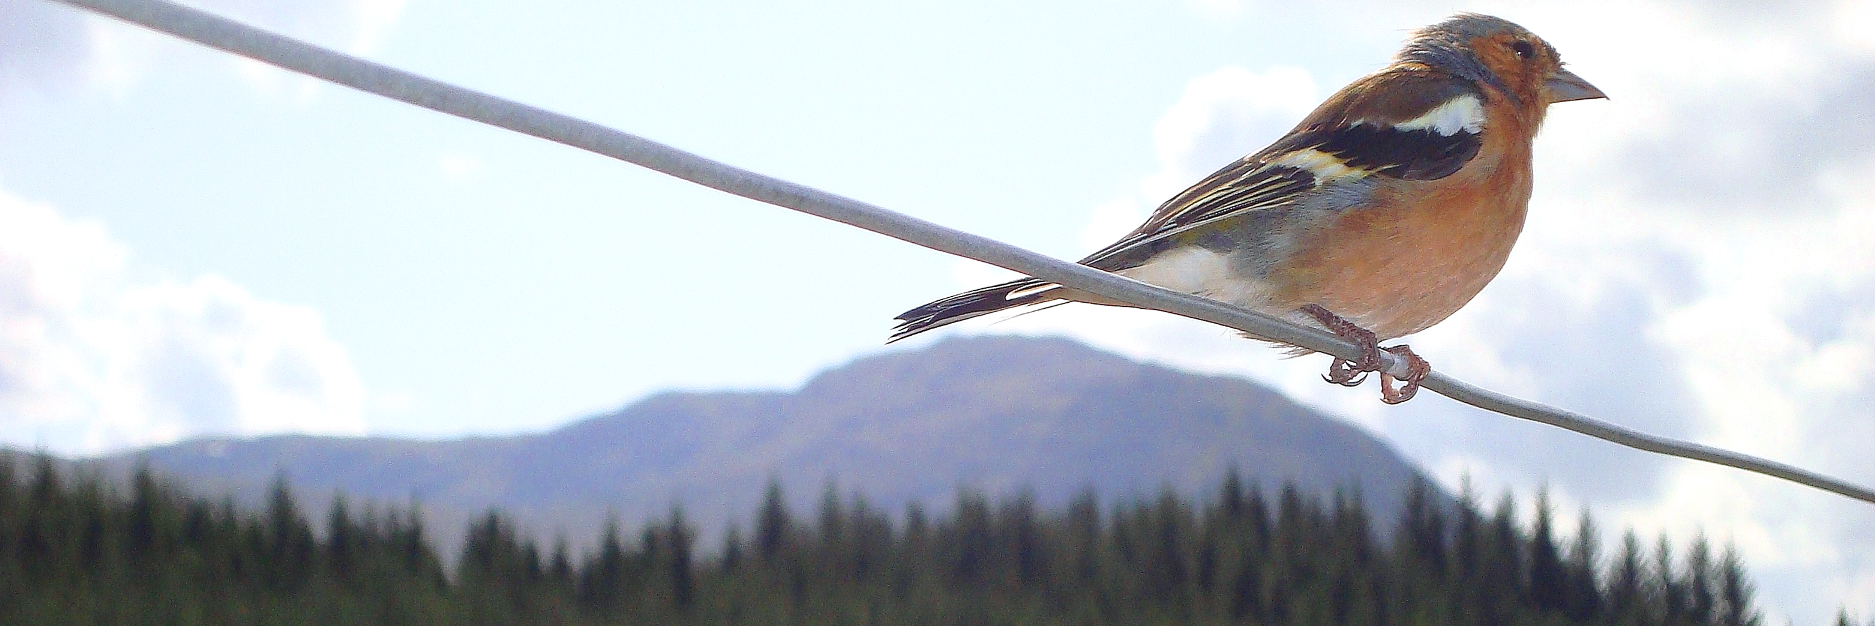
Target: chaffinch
<point>1388,208</point>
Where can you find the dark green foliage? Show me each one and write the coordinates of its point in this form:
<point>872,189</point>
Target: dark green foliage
<point>1547,580</point>
<point>772,527</point>
<point>75,550</point>
<point>1735,592</point>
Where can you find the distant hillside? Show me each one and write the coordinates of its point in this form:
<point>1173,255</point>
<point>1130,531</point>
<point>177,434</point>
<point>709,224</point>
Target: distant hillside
<point>995,414</point>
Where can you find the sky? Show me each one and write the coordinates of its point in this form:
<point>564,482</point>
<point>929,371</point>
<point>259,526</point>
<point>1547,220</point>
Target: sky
<point>193,244</point>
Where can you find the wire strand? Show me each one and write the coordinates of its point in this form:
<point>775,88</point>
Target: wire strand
<point>291,54</point>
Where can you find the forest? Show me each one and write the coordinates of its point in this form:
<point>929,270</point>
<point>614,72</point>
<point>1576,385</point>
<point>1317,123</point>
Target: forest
<point>76,548</point>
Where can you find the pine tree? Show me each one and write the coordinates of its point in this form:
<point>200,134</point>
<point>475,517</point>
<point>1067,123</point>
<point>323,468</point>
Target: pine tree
<point>973,538</point>
<point>92,537</point>
<point>1206,564</point>
<point>1291,567</point>
<point>1735,592</point>
<point>1625,585</point>
<point>1167,568</point>
<point>1231,494</point>
<point>832,529</point>
<point>290,548</point>
<point>914,554</point>
<point>1422,530</point>
<point>1548,584</point>
<point>602,579</point>
<point>341,539</point>
<point>1702,602</point>
<point>1258,515</point>
<point>36,538</point>
<point>560,568</point>
<point>872,538</point>
<point>1468,546</point>
<point>678,537</point>
<point>732,557</point>
<point>772,523</point>
<point>1084,536</point>
<point>1504,580</point>
<point>1669,592</point>
<point>1020,536</point>
<point>10,521</point>
<point>1246,601</point>
<point>145,505</point>
<point>1584,600</point>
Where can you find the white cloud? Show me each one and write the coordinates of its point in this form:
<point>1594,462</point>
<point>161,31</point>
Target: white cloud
<point>1849,25</point>
<point>90,361</point>
<point>1699,263</point>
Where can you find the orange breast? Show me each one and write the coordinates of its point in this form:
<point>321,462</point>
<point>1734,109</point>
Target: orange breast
<point>1419,252</point>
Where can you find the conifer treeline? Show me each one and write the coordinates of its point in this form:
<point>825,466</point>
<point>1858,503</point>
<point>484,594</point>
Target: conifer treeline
<point>74,550</point>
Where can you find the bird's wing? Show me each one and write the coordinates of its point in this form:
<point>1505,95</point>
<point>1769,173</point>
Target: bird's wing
<point>1403,123</point>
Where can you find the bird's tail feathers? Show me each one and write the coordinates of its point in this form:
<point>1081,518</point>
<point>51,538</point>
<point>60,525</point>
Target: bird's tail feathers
<point>975,303</point>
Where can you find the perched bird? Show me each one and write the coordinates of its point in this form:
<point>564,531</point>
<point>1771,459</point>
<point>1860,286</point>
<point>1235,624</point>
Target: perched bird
<point>1388,208</point>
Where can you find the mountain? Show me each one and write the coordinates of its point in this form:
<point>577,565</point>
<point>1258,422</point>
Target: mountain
<point>997,414</point>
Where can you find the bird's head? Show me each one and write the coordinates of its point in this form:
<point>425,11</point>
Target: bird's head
<point>1501,57</point>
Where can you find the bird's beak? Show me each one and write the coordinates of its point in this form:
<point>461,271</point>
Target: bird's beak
<point>1564,86</point>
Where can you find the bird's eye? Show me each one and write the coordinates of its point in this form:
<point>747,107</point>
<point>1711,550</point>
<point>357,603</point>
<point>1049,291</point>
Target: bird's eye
<point>1523,49</point>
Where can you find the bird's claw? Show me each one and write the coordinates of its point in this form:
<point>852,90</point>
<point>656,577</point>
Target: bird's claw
<point>1342,372</point>
<point>1351,373</point>
<point>1416,370</point>
<point>1345,372</point>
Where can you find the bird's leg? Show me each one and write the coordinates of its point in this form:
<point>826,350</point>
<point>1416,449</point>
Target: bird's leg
<point>1344,372</point>
<point>1352,373</point>
<point>1416,370</point>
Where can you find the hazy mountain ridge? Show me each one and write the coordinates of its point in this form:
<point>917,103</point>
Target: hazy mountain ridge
<point>996,414</point>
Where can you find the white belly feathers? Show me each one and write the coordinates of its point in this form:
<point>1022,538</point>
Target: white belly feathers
<point>1200,272</point>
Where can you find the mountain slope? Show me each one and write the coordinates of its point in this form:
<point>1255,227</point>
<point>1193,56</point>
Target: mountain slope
<point>997,414</point>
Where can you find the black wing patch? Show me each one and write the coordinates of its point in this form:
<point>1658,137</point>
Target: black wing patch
<point>1418,154</point>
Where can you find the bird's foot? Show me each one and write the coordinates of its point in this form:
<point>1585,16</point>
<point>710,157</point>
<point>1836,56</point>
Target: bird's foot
<point>1345,372</point>
<point>1351,373</point>
<point>1416,370</point>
